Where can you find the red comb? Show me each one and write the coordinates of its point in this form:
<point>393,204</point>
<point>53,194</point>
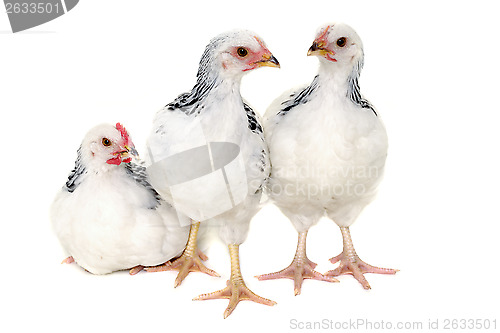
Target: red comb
<point>323,34</point>
<point>123,132</point>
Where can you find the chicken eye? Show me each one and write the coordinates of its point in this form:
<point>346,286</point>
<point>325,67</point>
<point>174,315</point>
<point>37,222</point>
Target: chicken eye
<point>242,52</point>
<point>341,41</point>
<point>106,142</point>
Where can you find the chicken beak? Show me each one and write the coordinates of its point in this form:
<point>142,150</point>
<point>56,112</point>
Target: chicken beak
<point>318,49</point>
<point>268,60</point>
<point>132,151</point>
<point>127,152</point>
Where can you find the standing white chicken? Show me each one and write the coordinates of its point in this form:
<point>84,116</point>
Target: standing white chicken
<point>107,216</point>
<point>328,149</point>
<point>213,120</point>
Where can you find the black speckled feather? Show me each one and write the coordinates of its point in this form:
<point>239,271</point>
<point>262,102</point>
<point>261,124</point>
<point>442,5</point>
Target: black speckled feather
<point>255,127</point>
<point>139,174</point>
<point>253,122</point>
<point>191,102</point>
<point>353,90</point>
<point>76,175</point>
<point>301,98</point>
<point>136,171</point>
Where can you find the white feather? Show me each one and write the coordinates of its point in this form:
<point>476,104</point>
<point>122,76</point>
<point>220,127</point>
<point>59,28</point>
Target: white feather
<point>218,115</point>
<point>110,222</point>
<point>327,154</point>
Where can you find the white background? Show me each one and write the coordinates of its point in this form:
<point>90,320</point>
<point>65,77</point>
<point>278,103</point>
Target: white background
<point>431,69</point>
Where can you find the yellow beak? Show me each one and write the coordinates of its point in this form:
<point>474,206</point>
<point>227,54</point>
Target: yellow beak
<point>268,60</point>
<point>318,49</point>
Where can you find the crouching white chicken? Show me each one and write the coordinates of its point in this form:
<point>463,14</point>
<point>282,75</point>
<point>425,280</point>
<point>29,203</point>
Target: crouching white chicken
<point>328,148</point>
<point>107,216</point>
<point>214,140</point>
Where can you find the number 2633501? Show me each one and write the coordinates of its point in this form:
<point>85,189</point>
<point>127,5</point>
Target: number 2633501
<point>32,8</point>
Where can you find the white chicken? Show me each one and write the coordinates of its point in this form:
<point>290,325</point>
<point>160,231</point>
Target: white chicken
<point>107,216</point>
<point>328,148</point>
<point>215,142</point>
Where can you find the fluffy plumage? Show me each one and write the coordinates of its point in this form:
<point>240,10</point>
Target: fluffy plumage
<point>107,216</point>
<point>215,103</point>
<point>214,111</point>
<point>328,146</point>
<point>320,137</point>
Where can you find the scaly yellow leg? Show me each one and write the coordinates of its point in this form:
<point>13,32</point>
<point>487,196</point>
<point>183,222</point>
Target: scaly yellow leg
<point>189,261</point>
<point>349,262</point>
<point>236,289</point>
<point>301,268</point>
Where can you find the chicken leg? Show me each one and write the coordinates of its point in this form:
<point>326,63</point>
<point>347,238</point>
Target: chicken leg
<point>68,260</point>
<point>236,289</point>
<point>351,264</point>
<point>301,268</point>
<point>189,261</point>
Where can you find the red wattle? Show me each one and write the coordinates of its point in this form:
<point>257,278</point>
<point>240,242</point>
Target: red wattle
<point>328,57</point>
<point>116,161</point>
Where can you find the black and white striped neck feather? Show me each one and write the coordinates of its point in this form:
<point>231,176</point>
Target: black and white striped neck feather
<point>135,171</point>
<point>353,92</point>
<point>77,174</point>
<point>207,80</point>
